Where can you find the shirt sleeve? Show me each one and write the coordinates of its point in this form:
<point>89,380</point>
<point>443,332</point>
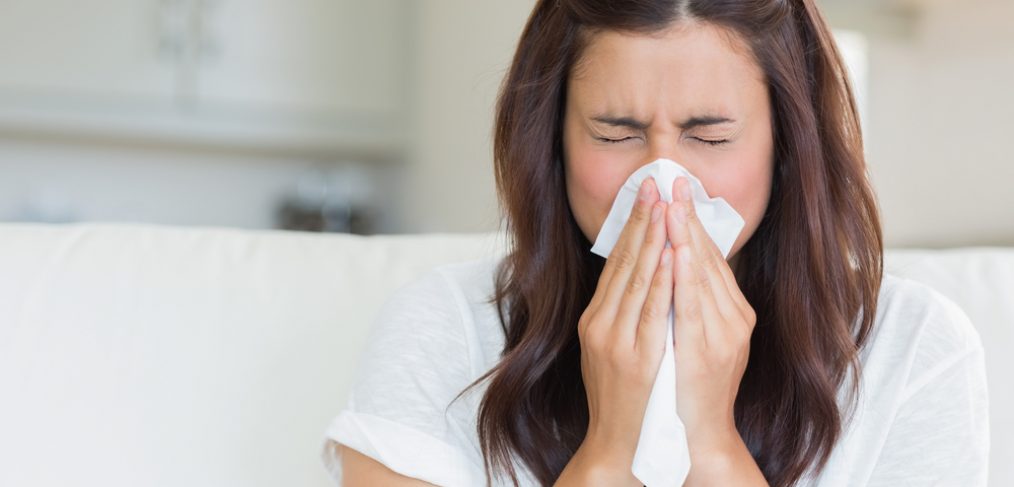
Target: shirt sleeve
<point>940,434</point>
<point>416,360</point>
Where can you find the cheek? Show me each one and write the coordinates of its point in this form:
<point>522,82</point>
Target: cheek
<point>593,177</point>
<point>747,189</point>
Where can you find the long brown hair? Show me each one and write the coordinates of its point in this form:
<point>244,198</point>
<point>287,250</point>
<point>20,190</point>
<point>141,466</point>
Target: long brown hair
<point>811,271</point>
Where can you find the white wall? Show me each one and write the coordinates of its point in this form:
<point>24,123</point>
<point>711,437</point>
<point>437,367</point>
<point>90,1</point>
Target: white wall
<point>941,119</point>
<point>462,53</point>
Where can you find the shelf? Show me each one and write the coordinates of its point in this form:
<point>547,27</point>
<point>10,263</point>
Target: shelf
<point>365,137</point>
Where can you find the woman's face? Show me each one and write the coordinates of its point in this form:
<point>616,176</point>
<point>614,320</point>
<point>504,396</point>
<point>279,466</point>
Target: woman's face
<point>667,96</point>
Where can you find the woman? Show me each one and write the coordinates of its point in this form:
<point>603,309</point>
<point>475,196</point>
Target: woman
<point>797,360</point>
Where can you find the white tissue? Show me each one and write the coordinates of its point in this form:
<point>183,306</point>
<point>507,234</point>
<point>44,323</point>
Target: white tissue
<point>662,458</point>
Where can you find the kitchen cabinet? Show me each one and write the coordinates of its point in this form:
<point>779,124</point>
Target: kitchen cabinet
<point>327,77</point>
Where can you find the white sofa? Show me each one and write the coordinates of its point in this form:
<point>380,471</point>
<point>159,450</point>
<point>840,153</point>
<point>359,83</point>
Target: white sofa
<point>147,355</point>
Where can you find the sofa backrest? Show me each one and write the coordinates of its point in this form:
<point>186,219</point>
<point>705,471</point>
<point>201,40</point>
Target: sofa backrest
<point>204,356</point>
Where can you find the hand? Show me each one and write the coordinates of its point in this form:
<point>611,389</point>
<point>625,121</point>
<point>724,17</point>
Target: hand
<point>622,332</point>
<point>713,324</point>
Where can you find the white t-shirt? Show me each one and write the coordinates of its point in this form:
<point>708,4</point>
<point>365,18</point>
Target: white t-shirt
<point>921,420</point>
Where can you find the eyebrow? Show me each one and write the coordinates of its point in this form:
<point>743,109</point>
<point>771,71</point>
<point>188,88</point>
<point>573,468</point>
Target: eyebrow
<point>684,125</point>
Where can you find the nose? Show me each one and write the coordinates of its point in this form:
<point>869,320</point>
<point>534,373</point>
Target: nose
<point>666,146</point>
<point>673,153</point>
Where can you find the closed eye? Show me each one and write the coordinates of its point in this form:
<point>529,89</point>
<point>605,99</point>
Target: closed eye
<point>711,142</point>
<point>613,141</point>
<point>706,141</point>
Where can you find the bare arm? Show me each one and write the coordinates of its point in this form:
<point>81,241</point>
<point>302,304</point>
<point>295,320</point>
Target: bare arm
<point>593,466</point>
<point>585,469</point>
<point>361,470</point>
<point>726,461</point>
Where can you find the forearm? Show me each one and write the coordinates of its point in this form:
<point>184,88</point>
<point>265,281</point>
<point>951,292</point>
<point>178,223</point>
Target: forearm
<point>724,460</point>
<point>591,467</point>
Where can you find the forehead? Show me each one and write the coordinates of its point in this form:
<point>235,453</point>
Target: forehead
<point>690,65</point>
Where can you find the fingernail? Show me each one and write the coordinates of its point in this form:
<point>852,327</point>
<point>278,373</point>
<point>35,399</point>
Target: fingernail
<point>656,213</point>
<point>685,190</point>
<point>645,190</point>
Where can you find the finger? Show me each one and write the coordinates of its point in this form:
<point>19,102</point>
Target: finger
<point>621,242</point>
<point>623,257</point>
<point>633,300</point>
<point>676,219</point>
<point>712,305</point>
<point>727,293</point>
<point>654,318</point>
<point>701,309</point>
<point>688,327</point>
<point>707,257</point>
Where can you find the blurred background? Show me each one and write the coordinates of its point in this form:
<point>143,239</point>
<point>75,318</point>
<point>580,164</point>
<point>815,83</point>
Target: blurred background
<point>375,116</point>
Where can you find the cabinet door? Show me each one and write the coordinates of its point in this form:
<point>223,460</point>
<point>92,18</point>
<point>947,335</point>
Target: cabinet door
<point>60,50</point>
<point>345,58</point>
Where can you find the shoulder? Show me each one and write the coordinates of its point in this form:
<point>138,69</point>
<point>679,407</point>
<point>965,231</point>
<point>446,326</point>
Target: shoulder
<point>918,335</point>
<point>442,314</point>
<point>471,282</point>
<point>473,285</point>
<point>922,367</point>
<point>447,294</point>
<point>458,283</point>
<point>910,312</point>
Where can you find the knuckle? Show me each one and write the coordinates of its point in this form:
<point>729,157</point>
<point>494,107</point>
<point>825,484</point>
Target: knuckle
<point>700,279</point>
<point>654,234</point>
<point>636,284</point>
<point>650,313</point>
<point>751,317</point>
<point>710,263</point>
<point>641,212</point>
<point>624,259</point>
<point>650,238</point>
<point>661,276</point>
<point>691,211</point>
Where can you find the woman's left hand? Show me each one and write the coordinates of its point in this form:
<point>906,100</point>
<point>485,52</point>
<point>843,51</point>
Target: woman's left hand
<point>713,323</point>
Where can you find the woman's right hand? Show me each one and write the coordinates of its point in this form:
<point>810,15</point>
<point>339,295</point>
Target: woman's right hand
<point>622,334</point>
